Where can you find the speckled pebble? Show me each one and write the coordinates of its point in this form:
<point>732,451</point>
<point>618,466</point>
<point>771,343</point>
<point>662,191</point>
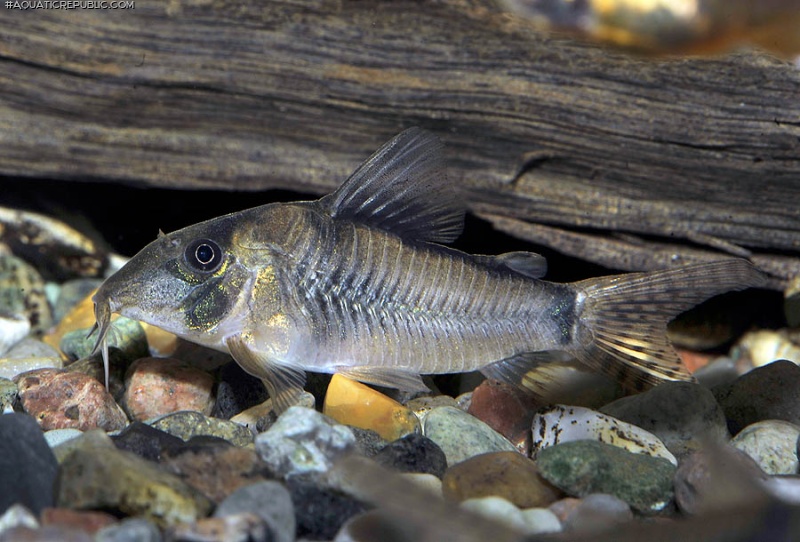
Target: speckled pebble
<point>303,440</point>
<point>22,292</point>
<point>765,393</point>
<point>413,453</point>
<point>216,469</point>
<point>559,423</point>
<point>772,444</point>
<point>683,415</point>
<point>461,436</point>
<point>422,405</point>
<point>158,386</point>
<point>8,395</point>
<point>267,500</point>
<point>187,424</point>
<point>503,474</point>
<point>583,467</point>
<point>103,478</point>
<point>59,399</point>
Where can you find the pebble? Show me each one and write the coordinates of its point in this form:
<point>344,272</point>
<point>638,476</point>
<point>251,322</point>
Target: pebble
<point>80,316</point>
<point>422,405</point>
<point>764,346</point>
<point>216,469</point>
<point>8,395</point>
<point>583,467</point>
<point>302,440</point>
<point>269,501</point>
<point>461,436</point>
<point>237,391</point>
<point>124,334</point>
<point>496,509</point>
<point>50,533</point>
<point>503,474</point>
<point>702,479</point>
<point>102,478</point>
<point>722,370</point>
<point>17,515</point>
<point>57,437</point>
<point>96,438</point>
<point>559,423</point>
<point>320,511</point>
<point>146,441</point>
<point>772,444</point>
<point>31,347</point>
<point>352,403</point>
<point>413,453</point>
<point>130,530</point>
<point>506,410</point>
<point>10,368</point>
<point>261,417</point>
<point>597,512</point>
<point>765,393</point>
<point>22,292</point>
<point>427,482</point>
<point>27,465</point>
<point>187,424</point>
<point>232,528</point>
<point>158,386</point>
<point>683,415</point>
<point>368,443</point>
<point>13,328</point>
<point>72,293</point>
<point>60,399</point>
<point>89,521</point>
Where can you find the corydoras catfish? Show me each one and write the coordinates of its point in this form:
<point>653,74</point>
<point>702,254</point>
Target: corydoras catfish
<point>359,283</point>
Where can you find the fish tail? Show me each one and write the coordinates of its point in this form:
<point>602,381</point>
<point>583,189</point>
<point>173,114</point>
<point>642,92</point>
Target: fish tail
<point>622,328</point>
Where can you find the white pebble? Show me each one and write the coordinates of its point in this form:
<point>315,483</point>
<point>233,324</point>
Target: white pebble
<point>540,520</point>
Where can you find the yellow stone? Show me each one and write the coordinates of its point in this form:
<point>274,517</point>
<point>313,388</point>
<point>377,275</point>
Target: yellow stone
<point>353,403</point>
<point>82,316</point>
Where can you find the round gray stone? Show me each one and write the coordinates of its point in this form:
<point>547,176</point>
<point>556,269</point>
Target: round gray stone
<point>772,444</point>
<point>461,435</point>
<point>270,501</point>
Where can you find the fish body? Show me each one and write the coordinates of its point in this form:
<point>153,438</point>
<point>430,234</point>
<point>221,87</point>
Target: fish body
<point>359,283</point>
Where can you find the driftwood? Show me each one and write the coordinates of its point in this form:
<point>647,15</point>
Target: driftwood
<point>624,161</point>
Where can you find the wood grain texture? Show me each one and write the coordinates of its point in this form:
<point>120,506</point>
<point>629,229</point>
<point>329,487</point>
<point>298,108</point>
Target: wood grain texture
<point>294,94</point>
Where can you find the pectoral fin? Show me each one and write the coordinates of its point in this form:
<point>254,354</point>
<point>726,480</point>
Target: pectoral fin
<point>284,384</point>
<point>382,376</point>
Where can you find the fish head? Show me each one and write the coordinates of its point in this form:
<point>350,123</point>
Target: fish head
<point>186,282</point>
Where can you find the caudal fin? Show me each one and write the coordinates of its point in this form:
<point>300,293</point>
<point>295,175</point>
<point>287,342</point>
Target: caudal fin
<point>624,318</point>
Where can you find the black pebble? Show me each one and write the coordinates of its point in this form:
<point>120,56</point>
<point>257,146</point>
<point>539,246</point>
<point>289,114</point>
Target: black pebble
<point>413,453</point>
<point>320,511</point>
<point>237,391</point>
<point>146,441</point>
<point>28,467</point>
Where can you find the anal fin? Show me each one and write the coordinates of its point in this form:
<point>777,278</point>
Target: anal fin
<point>383,376</point>
<point>284,383</point>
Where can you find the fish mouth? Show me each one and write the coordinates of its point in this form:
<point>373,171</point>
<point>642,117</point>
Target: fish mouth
<point>102,323</point>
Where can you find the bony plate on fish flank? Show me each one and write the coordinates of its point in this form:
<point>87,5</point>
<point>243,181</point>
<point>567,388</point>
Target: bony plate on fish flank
<point>562,423</point>
<point>352,403</point>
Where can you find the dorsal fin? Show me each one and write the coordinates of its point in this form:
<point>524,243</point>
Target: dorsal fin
<point>403,189</point>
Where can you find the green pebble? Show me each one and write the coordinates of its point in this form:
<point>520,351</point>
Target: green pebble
<point>583,467</point>
<point>124,334</point>
<point>461,435</point>
<point>187,424</point>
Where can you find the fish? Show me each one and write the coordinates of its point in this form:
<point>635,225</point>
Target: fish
<point>361,282</point>
<point>672,27</point>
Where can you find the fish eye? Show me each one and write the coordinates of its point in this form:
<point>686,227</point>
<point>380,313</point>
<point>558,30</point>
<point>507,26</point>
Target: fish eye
<point>203,255</point>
